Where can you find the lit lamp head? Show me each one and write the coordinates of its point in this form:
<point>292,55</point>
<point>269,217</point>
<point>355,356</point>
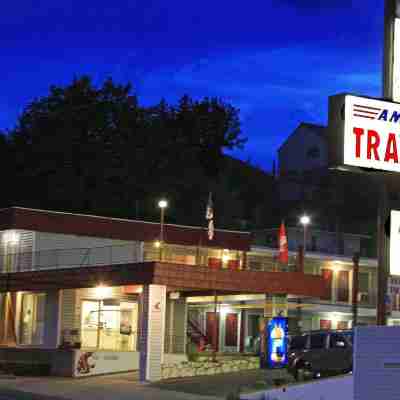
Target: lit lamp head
<point>163,204</point>
<point>157,244</point>
<point>305,220</point>
<point>102,292</point>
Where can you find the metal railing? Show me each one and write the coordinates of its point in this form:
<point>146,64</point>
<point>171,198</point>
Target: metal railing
<point>118,254</point>
<point>70,258</point>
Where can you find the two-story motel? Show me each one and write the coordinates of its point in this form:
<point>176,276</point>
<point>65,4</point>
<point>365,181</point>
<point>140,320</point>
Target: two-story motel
<point>90,295</point>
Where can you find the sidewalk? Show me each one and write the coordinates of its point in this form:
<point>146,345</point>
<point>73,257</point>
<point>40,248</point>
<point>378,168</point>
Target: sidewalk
<point>126,386</point>
<point>115,387</point>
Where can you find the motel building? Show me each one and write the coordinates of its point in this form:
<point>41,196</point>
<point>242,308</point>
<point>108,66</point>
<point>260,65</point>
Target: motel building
<point>83,295</point>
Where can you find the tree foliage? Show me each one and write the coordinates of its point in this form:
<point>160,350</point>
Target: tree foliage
<point>97,150</point>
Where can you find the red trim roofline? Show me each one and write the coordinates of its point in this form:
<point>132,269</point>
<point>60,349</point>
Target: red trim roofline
<point>119,229</point>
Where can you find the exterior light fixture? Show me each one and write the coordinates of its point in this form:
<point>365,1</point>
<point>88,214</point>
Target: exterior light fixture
<point>305,220</point>
<point>163,204</point>
<point>102,292</point>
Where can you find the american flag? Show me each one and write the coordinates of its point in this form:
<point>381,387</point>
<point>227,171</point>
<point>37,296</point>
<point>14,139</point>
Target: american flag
<point>366,111</point>
<point>210,217</point>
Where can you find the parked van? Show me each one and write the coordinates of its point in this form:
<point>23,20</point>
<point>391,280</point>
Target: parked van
<point>321,353</point>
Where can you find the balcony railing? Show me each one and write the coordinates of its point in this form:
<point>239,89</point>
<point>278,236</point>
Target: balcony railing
<point>128,254</point>
<point>70,258</point>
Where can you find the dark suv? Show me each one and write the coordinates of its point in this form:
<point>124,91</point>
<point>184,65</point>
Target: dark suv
<point>320,353</point>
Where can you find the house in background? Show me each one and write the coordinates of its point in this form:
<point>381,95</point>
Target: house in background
<point>303,151</point>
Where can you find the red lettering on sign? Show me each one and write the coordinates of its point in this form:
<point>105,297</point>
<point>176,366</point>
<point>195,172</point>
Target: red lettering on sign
<point>358,132</point>
<point>373,144</point>
<point>391,149</point>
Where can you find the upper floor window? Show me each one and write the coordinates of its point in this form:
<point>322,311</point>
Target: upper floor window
<point>313,152</point>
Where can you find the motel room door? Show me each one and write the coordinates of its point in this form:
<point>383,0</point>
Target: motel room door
<point>212,324</point>
<point>231,332</point>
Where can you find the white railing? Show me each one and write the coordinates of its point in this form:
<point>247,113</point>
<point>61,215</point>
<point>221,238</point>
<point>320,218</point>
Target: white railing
<point>71,258</point>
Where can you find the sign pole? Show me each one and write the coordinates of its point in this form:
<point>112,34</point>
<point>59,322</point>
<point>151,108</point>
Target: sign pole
<point>383,253</point>
<point>391,91</point>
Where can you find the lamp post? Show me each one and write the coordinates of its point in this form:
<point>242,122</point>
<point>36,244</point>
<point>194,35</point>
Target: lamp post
<point>163,204</point>
<point>305,220</point>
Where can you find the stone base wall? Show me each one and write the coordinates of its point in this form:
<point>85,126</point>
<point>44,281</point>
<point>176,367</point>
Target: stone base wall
<point>208,367</point>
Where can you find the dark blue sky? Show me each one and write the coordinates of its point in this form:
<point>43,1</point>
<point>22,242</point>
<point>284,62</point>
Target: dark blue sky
<point>276,60</point>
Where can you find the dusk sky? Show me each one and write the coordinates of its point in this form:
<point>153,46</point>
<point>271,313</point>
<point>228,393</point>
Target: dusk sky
<point>275,60</point>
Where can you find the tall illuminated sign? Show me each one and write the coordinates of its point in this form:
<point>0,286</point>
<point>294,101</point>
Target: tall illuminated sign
<point>364,133</point>
<point>396,54</point>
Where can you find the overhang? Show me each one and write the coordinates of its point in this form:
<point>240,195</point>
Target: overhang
<point>175,276</point>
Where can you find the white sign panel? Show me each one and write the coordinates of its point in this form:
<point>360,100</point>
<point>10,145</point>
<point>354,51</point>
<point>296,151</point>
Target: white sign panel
<point>376,363</point>
<point>89,363</point>
<point>395,242</point>
<point>364,133</point>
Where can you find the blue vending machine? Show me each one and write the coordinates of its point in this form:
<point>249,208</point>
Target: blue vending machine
<point>277,342</point>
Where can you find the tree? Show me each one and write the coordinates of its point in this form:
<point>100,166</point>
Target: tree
<point>95,149</point>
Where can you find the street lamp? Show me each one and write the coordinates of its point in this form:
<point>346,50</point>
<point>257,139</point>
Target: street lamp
<point>305,220</point>
<point>163,204</point>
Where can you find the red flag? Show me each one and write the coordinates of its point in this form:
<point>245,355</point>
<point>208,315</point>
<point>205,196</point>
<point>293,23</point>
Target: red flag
<point>283,256</point>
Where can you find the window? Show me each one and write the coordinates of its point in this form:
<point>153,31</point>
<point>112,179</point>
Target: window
<point>313,152</point>
<point>32,318</point>
<point>109,325</point>
<point>337,341</point>
<point>214,263</point>
<point>318,341</point>
<point>342,325</point>
<point>325,324</point>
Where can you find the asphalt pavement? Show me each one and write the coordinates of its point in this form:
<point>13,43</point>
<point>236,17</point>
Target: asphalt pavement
<point>127,387</point>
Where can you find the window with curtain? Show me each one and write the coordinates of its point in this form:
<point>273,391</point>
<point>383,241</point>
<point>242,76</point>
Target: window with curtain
<point>325,324</point>
<point>32,318</point>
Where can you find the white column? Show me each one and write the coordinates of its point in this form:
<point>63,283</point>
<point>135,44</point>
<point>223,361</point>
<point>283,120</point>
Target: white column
<point>152,332</point>
<point>52,325</point>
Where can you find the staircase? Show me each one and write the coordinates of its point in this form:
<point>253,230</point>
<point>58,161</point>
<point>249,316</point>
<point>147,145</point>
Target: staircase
<point>196,334</point>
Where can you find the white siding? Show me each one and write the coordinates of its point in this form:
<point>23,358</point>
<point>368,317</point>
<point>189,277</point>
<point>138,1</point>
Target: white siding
<point>152,332</point>
<point>59,250</point>
<point>376,363</point>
